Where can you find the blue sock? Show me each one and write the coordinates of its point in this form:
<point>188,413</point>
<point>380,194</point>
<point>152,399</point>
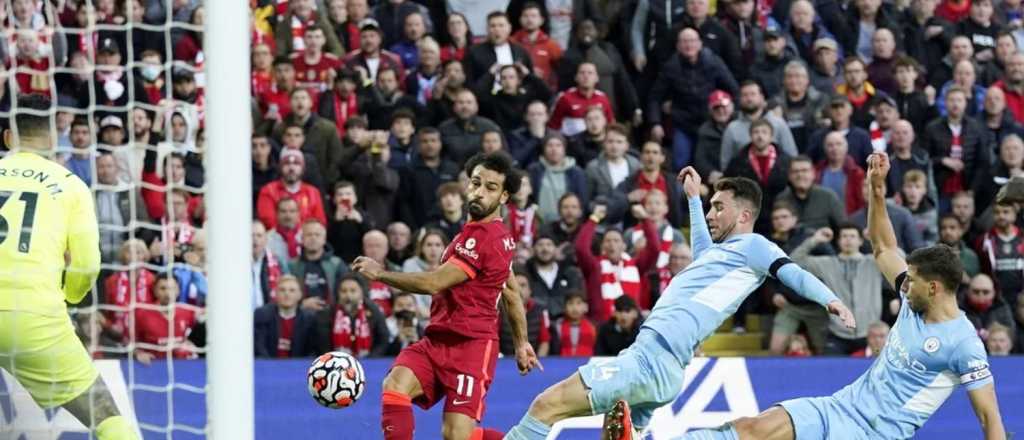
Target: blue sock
<point>724,432</point>
<point>528,428</point>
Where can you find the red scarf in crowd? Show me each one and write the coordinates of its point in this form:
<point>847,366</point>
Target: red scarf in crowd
<point>664,277</point>
<point>342,111</point>
<point>380,294</point>
<point>763,165</point>
<point>354,38</point>
<point>292,240</point>
<point>878,143</point>
<point>299,31</point>
<point>955,182</point>
<point>584,345</point>
<point>522,224</point>
<point>122,297</point>
<point>273,273</point>
<point>618,279</point>
<point>350,335</point>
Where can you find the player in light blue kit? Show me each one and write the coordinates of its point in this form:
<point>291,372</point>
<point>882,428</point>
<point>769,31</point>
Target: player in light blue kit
<point>729,262</point>
<point>931,349</point>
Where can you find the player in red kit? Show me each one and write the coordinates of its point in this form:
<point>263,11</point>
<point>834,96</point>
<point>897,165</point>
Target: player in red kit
<point>455,360</point>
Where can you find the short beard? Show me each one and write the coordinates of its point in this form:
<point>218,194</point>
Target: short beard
<point>479,214</point>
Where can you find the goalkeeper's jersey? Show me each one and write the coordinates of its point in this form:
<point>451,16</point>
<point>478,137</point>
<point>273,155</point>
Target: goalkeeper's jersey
<point>45,211</point>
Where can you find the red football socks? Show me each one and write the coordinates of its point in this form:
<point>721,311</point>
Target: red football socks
<point>396,416</point>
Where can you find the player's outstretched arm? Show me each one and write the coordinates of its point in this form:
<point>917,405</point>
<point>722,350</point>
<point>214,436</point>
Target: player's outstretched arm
<point>880,231</point>
<point>424,283</point>
<point>526,358</point>
<point>700,238</point>
<point>983,400</point>
<point>83,252</point>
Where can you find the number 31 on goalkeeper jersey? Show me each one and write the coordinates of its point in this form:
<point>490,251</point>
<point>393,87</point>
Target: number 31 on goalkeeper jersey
<point>45,213</point>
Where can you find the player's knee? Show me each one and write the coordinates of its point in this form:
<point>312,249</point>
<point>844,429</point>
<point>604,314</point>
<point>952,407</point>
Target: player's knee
<point>397,382</point>
<point>545,406</point>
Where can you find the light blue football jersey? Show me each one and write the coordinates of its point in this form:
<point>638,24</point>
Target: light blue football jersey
<point>713,286</point>
<point>920,366</point>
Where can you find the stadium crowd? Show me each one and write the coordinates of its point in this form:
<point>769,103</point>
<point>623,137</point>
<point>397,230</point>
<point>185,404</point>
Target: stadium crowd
<point>365,111</point>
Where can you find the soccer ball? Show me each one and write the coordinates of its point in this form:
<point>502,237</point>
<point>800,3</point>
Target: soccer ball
<point>336,380</point>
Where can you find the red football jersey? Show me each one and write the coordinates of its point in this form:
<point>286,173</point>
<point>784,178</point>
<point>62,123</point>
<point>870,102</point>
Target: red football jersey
<point>152,327</point>
<point>484,251</point>
<point>315,76</point>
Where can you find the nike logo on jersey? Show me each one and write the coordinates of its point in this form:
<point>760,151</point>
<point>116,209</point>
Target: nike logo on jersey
<point>460,402</point>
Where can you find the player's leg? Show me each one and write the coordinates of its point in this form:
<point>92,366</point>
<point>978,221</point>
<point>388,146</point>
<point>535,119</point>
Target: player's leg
<point>773,424</point>
<point>96,407</point>
<point>410,378</point>
<point>466,376</point>
<point>565,399</point>
<point>47,358</point>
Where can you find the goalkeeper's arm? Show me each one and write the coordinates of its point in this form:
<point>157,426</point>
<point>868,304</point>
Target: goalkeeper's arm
<point>83,254</point>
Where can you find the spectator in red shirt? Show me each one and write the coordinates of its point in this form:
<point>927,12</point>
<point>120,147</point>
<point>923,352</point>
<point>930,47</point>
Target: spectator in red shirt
<point>31,64</point>
<point>127,288</point>
<point>291,186</point>
<point>314,69</point>
<point>840,173</point>
<point>613,273</point>
<point>538,323</point>
<point>652,175</point>
<point>155,193</point>
<point>571,105</point>
<point>375,247</point>
<point>1012,85</point>
<point>358,327</point>
<point>275,103</point>
<point>262,68</point>
<point>574,335</point>
<point>456,39</point>
<point>163,328</point>
<point>282,329</point>
<point>370,57</point>
<point>544,52</point>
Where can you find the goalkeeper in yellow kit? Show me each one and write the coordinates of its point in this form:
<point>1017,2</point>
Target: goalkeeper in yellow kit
<point>49,253</point>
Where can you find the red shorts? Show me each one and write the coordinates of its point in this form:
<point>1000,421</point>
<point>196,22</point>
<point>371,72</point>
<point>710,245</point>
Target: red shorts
<point>454,367</point>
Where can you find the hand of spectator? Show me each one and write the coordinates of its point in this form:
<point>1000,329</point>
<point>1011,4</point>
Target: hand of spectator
<point>354,215</point>
<point>407,333</point>
<point>714,176</point>
<point>929,92</point>
<point>985,55</point>
<point>639,61</point>
<point>690,179</point>
<point>526,359</point>
<point>494,69</point>
<point>313,304</point>
<point>639,212</point>
<point>779,300</point>
<point>932,31</point>
<point>636,195</point>
<point>600,211</point>
<point>638,117</point>
<point>894,307</point>
<point>144,357</point>
<point>953,164</point>
<point>524,71</point>
<point>839,309</point>
<point>878,169</point>
<point>823,235</point>
<point>156,249</point>
<point>367,267</point>
<point>364,75</point>
<point>657,133</point>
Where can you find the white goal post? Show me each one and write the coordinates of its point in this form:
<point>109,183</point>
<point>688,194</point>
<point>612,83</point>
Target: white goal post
<point>230,396</point>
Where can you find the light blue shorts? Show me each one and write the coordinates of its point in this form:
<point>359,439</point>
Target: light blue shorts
<point>823,418</point>
<point>646,375</point>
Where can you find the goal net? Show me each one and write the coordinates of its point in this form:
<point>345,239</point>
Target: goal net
<point>126,81</point>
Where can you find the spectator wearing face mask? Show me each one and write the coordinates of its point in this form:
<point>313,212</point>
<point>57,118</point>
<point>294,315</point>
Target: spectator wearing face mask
<point>404,326</point>
<point>984,306</point>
